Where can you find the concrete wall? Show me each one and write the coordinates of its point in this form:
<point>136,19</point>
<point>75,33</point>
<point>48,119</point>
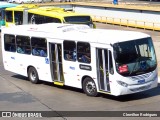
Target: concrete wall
<point>120,13</point>
<point>141,17</point>
<point>135,18</point>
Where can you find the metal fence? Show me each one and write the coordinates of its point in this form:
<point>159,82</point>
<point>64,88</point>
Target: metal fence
<point>127,22</point>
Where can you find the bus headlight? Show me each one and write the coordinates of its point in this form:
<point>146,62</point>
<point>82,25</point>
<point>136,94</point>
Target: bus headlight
<point>122,83</point>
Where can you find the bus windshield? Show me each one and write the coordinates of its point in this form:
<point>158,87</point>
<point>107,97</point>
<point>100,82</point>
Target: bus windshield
<point>135,57</point>
<point>76,19</point>
<point>79,20</point>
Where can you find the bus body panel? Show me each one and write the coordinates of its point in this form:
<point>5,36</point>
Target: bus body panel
<point>14,62</point>
<point>133,84</point>
<point>9,61</point>
<point>71,74</point>
<point>39,64</point>
<point>76,71</point>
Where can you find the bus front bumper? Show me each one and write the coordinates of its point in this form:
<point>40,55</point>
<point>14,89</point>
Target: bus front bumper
<point>136,88</point>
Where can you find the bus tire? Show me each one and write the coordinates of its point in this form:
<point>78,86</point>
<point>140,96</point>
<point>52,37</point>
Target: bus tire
<point>33,75</point>
<point>89,87</point>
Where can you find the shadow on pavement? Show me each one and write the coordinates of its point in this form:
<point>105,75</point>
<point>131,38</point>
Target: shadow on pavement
<point>136,96</point>
<point>19,77</point>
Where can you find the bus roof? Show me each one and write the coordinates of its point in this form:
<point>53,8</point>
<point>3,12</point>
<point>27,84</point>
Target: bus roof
<point>51,9</point>
<point>22,7</point>
<point>54,12</point>
<point>7,5</point>
<point>74,32</point>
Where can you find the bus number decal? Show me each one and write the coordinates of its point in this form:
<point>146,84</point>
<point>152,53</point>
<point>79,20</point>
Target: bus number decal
<point>85,67</point>
<point>72,68</point>
<point>13,58</point>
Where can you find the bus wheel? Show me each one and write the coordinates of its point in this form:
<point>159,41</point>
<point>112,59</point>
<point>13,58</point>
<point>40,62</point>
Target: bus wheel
<point>89,87</point>
<point>33,75</point>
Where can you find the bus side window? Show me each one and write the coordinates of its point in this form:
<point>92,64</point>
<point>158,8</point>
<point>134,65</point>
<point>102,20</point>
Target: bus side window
<point>23,44</point>
<point>52,20</point>
<point>31,18</point>
<point>18,16</point>
<point>39,46</point>
<point>83,52</point>
<point>9,16</point>
<point>38,19</point>
<point>9,43</point>
<point>69,50</point>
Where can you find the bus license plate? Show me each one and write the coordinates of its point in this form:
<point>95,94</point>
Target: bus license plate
<point>141,81</point>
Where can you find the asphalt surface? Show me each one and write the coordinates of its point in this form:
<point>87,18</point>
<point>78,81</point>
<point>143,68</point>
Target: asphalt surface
<point>18,94</point>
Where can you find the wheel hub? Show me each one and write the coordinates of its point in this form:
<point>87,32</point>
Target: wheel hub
<point>90,87</point>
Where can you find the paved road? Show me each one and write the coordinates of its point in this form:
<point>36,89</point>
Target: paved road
<point>18,94</point>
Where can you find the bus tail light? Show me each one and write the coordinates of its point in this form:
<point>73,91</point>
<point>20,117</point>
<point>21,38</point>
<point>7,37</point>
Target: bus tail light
<point>123,68</point>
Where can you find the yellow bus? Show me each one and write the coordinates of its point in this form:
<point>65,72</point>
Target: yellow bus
<point>32,14</point>
<point>16,15</point>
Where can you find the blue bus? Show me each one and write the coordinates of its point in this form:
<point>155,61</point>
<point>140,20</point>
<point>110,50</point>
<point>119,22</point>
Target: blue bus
<point>4,5</point>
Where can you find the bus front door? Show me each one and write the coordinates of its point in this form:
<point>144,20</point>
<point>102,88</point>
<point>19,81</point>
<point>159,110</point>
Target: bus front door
<point>102,69</point>
<point>56,63</point>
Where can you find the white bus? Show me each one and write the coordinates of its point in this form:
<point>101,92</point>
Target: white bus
<point>96,60</point>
